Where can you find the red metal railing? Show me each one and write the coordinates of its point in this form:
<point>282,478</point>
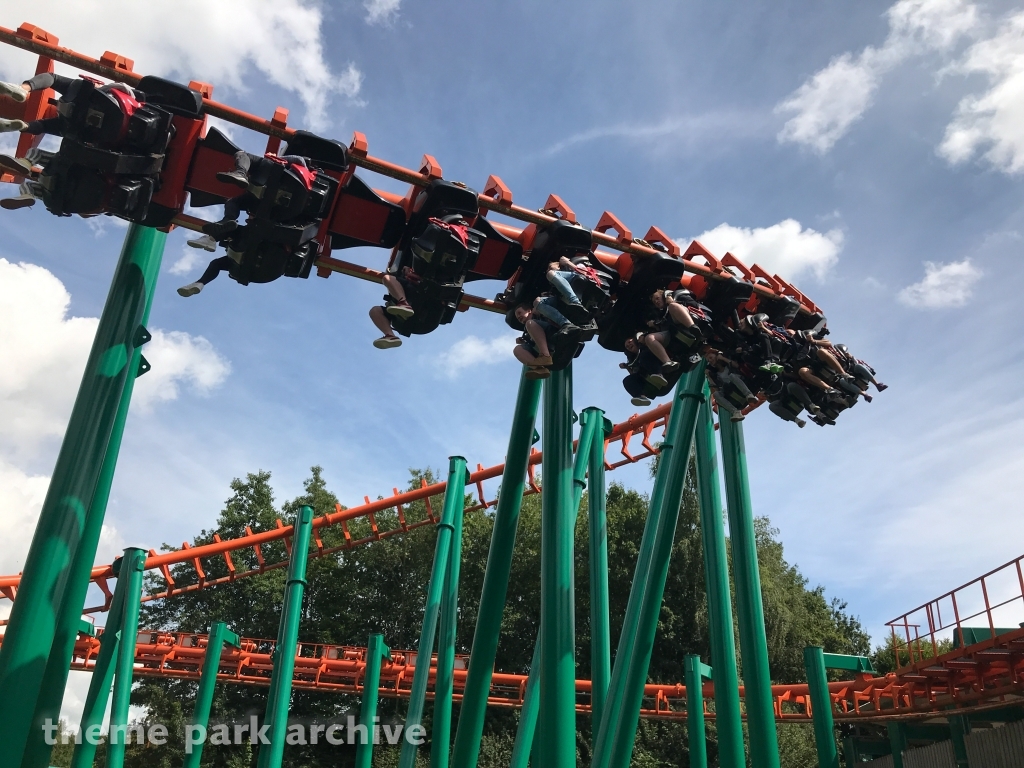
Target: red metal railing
<point>994,600</point>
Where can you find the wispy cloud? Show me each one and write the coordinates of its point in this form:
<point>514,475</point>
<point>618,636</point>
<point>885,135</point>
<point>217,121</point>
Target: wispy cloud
<point>472,352</point>
<point>383,12</point>
<point>834,98</point>
<point>943,286</point>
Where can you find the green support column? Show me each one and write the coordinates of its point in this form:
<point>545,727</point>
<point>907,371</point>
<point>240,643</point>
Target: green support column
<point>527,729</point>
<point>898,741</point>
<point>821,707</point>
<point>728,720</point>
<point>496,576</point>
<point>103,673</point>
<point>219,634</point>
<point>557,600</point>
<point>614,745</point>
<point>959,727</point>
<point>440,742</point>
<point>757,682</point>
<point>65,524</point>
<point>600,630</point>
<point>280,694</point>
<point>135,563</point>
<point>375,652</point>
<point>453,499</point>
<point>591,421</point>
<point>696,673</point>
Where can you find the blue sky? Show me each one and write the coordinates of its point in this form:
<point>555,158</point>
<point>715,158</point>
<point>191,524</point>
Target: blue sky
<point>847,145</point>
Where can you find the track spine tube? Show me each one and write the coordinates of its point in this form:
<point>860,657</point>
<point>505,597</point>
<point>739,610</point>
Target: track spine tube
<point>600,628</point>
<point>135,564</point>
<point>557,600</point>
<point>103,673</point>
<point>219,634</point>
<point>821,707</point>
<point>496,575</point>
<point>64,524</point>
<point>651,591</point>
<point>728,721</point>
<point>444,679</point>
<point>453,499</point>
<point>527,731</point>
<point>375,652</point>
<point>279,697</point>
<point>757,683</point>
<point>55,678</point>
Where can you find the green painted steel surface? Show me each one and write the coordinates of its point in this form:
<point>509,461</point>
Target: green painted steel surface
<point>590,423</point>
<point>821,707</point>
<point>728,720</point>
<point>453,498</point>
<point>219,634</point>
<point>897,742</point>
<point>375,651</point>
<point>600,630</point>
<point>440,742</point>
<point>280,694</point>
<point>496,576</point>
<point>696,672</point>
<point>102,673</point>
<point>135,563</point>
<point>64,522</point>
<point>627,639</point>
<point>528,713</point>
<point>615,747</point>
<point>764,743</point>
<point>557,599</point>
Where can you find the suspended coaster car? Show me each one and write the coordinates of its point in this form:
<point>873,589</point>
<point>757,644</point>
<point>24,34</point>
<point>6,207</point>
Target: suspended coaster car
<point>629,314</point>
<point>549,244</point>
<point>638,383</point>
<point>115,149</point>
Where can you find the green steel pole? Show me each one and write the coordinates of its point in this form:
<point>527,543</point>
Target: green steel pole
<point>821,707</point>
<point>103,673</point>
<point>440,742</point>
<point>590,422</point>
<point>728,720</point>
<point>617,747</point>
<point>696,671</point>
<point>897,741</point>
<point>757,683</point>
<point>61,528</point>
<point>496,576</point>
<point>557,609</point>
<point>135,564</point>
<point>600,629</point>
<point>375,651</point>
<point>527,729</point>
<point>627,639</point>
<point>55,678</point>
<point>453,498</point>
<point>959,727</point>
<point>280,694</point>
<point>219,634</point>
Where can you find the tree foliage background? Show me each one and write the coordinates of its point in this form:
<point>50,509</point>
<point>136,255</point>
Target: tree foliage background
<point>380,587</point>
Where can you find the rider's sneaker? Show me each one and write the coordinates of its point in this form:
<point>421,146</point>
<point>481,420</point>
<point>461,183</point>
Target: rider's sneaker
<point>13,91</point>
<point>19,166</point>
<point>21,201</point>
<point>544,360</point>
<point>206,242</point>
<point>657,380</point>
<point>237,178</point>
<point>752,400</point>
<point>190,290</point>
<point>387,342</point>
<point>881,387</point>
<point>670,367</point>
<point>774,368</point>
<point>8,126</point>
<point>577,313</point>
<point>218,229</point>
<point>738,416</point>
<point>641,402</point>
<point>534,372</point>
<point>801,423</point>
<point>400,309</point>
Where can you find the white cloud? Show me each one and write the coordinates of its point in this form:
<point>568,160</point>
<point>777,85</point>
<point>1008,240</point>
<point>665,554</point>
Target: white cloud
<point>381,11</point>
<point>824,107</point>
<point>189,260</point>
<point>21,498</point>
<point>785,249</point>
<point>44,353</point>
<point>473,351</point>
<point>178,358</point>
<point>994,121</point>
<point>943,285</point>
<point>280,38</point>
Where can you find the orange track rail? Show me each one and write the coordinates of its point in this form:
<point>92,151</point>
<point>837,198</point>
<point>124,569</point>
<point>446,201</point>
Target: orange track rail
<point>641,425</point>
